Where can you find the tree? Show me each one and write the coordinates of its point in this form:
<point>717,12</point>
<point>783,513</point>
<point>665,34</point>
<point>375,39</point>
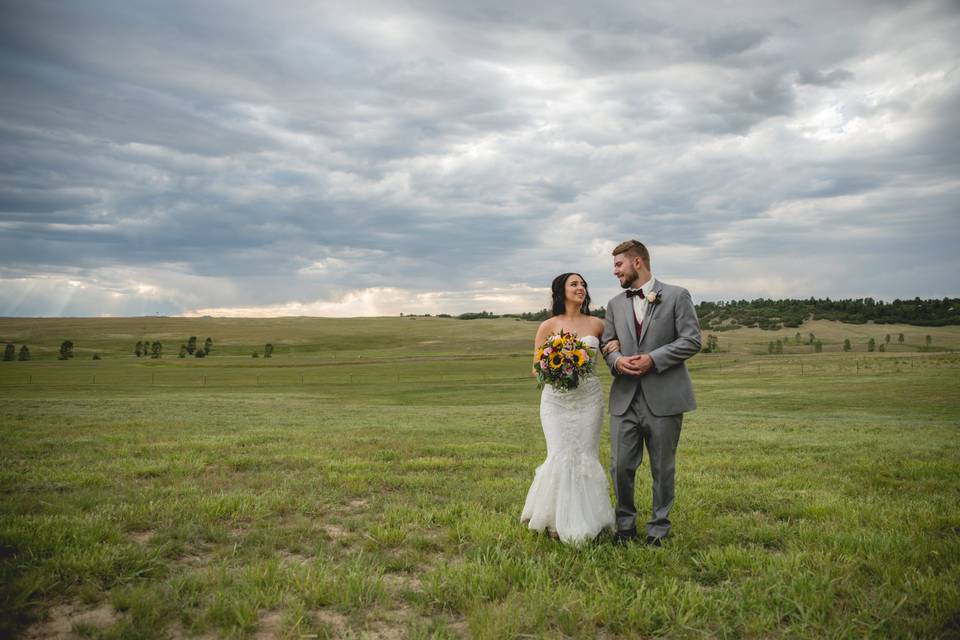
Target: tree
<point>183,351</point>
<point>812,338</point>
<point>267,350</point>
<point>207,345</point>
<point>192,345</point>
<point>778,346</point>
<point>818,347</point>
<point>24,353</point>
<point>156,349</point>
<point>9,352</point>
<point>66,350</point>
<point>886,338</point>
<point>771,347</point>
<point>871,345</point>
<point>797,338</point>
<point>846,344</point>
<point>139,349</point>
<point>882,348</point>
<point>900,338</point>
<point>929,340</point>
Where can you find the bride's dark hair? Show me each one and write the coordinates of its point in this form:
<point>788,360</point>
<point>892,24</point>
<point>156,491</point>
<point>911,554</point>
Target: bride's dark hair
<point>558,289</point>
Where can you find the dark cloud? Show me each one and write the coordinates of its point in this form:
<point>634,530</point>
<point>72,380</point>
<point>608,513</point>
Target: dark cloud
<point>180,156</point>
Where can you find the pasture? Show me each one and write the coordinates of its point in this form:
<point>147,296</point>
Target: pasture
<point>366,481</point>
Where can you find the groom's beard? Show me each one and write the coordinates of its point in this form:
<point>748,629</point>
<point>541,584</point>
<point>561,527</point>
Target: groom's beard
<point>629,279</point>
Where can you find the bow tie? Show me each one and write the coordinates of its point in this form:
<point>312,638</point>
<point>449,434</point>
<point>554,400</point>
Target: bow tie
<point>634,292</point>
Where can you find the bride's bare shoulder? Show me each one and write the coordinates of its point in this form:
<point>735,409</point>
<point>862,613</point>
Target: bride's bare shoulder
<point>547,324</point>
<point>596,325</point>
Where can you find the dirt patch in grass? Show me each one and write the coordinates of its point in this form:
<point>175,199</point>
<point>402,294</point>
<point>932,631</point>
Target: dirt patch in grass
<point>335,623</point>
<point>195,558</point>
<point>141,537</point>
<point>60,621</point>
<point>359,503</point>
<point>177,632</point>
<point>335,532</point>
<point>268,626</point>
<point>290,558</point>
<point>402,582</point>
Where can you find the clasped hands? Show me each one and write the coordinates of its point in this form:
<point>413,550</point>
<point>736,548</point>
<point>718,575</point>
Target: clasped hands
<point>637,365</point>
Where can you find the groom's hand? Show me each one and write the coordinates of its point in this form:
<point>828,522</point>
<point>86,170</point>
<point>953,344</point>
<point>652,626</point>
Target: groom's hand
<point>636,366</point>
<point>644,363</point>
<point>628,365</point>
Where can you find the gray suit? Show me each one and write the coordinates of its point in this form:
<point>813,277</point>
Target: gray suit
<point>649,409</point>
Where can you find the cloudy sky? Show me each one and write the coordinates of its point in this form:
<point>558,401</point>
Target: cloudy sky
<point>368,158</point>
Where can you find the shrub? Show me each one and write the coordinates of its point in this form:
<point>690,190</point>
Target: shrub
<point>267,350</point>
<point>96,356</point>
<point>9,352</point>
<point>24,353</point>
<point>66,350</point>
<point>200,353</point>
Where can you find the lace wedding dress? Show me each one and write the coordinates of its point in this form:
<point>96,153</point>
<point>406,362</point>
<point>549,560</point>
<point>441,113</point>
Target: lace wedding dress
<point>569,491</point>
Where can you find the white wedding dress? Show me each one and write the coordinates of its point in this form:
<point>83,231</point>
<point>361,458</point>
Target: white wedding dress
<point>569,491</point>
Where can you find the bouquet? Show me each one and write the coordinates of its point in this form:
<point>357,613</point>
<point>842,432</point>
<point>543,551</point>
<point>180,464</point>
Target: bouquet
<point>562,361</point>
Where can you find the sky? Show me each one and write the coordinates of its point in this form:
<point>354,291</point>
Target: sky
<point>375,158</point>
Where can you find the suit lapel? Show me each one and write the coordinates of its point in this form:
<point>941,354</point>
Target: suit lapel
<point>651,310</point>
<point>628,313</point>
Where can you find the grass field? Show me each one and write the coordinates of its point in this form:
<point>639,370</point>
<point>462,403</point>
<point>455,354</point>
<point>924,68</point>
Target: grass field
<point>366,481</point>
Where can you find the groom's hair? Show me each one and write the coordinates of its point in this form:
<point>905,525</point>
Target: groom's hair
<point>633,248</point>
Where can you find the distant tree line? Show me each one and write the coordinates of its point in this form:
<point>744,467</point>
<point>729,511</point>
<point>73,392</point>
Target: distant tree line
<point>154,349</point>
<point>10,353</point>
<point>776,314</point>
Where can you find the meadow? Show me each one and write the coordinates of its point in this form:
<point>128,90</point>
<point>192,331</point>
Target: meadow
<point>367,479</point>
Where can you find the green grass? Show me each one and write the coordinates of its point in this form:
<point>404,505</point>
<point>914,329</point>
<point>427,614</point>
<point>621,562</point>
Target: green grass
<point>367,480</point>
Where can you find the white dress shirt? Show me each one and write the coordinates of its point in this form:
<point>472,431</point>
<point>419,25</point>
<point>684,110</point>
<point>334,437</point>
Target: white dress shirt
<point>640,303</point>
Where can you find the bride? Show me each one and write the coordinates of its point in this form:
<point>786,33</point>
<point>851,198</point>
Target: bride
<point>569,498</point>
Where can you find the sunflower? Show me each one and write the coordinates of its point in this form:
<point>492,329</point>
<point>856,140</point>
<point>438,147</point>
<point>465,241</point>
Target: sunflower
<point>557,342</point>
<point>539,355</point>
<point>556,360</point>
<point>581,356</point>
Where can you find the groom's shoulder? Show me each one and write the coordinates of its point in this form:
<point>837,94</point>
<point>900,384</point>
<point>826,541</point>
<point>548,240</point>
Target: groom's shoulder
<point>666,286</point>
<point>619,296</point>
<point>672,290</point>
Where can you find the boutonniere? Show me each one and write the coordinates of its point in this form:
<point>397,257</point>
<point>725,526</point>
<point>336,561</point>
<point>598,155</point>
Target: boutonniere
<point>653,297</point>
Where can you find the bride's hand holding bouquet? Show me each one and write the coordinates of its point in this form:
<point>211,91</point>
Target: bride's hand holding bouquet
<point>562,361</point>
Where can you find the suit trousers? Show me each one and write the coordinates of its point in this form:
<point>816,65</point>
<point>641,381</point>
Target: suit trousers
<point>628,435</point>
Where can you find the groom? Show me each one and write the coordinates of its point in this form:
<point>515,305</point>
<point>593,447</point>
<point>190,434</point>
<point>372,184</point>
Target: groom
<point>656,327</point>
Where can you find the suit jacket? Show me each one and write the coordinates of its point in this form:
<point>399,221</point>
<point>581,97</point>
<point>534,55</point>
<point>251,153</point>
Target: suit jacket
<point>670,334</point>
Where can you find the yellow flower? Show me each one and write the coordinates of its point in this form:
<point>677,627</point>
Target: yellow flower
<point>556,360</point>
<point>557,342</point>
<point>539,355</point>
<point>581,357</point>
